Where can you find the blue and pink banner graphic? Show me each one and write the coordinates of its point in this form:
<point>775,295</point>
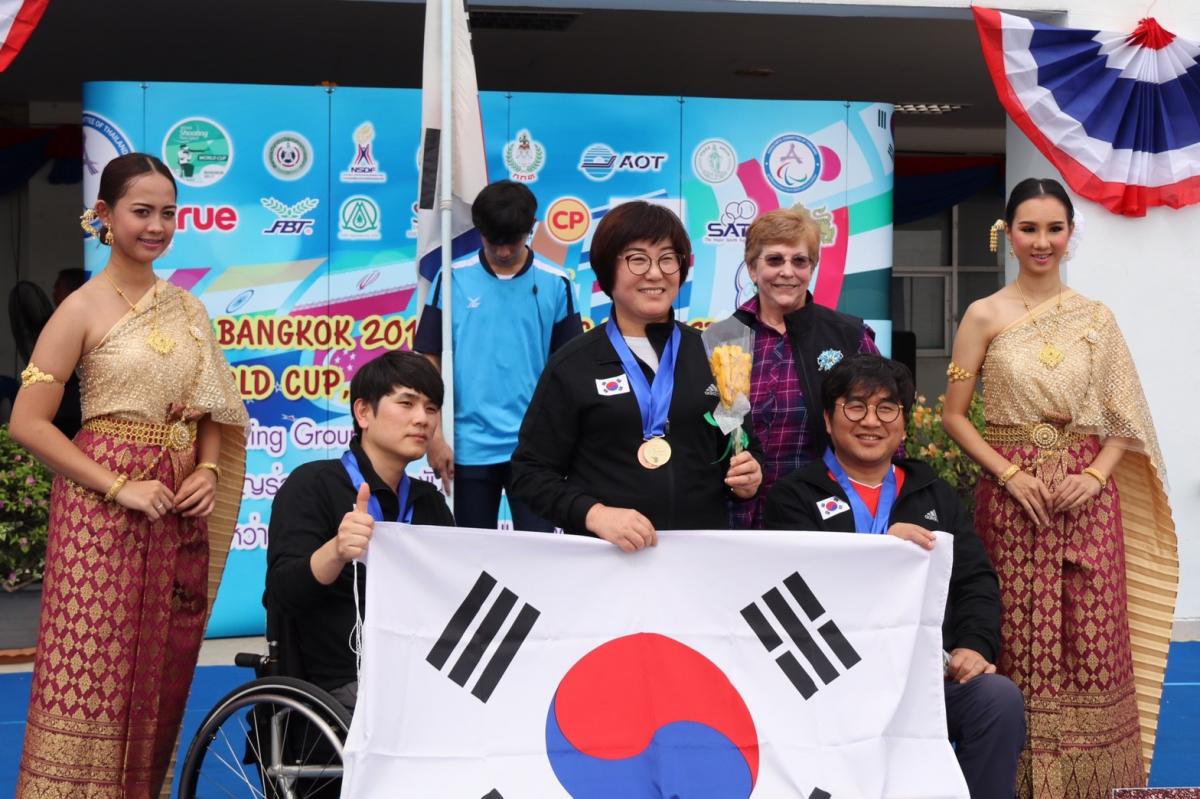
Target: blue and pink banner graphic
<point>297,228</point>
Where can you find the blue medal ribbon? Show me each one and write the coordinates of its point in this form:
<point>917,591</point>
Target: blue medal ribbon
<point>350,464</point>
<point>864,522</point>
<point>654,400</point>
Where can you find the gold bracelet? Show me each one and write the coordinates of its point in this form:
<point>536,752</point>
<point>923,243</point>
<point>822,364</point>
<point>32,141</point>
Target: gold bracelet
<point>1008,474</point>
<point>957,374</point>
<point>212,467</point>
<point>116,487</point>
<point>1099,475</point>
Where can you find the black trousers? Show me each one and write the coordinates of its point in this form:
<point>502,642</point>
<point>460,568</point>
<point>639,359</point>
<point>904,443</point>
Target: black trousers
<point>986,719</point>
<point>477,499</point>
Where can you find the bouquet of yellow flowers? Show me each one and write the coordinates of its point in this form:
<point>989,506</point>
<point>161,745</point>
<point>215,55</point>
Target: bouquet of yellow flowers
<point>730,345</point>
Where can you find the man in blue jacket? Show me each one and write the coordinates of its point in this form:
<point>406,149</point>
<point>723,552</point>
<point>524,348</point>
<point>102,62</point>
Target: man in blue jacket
<point>857,488</point>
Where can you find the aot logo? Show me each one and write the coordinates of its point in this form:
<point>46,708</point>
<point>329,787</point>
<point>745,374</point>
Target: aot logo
<point>290,219</point>
<point>732,225</point>
<point>568,219</point>
<point>206,218</point>
<point>599,162</point>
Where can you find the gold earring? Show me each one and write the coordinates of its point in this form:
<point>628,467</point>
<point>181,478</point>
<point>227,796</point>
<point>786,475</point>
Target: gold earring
<point>994,235</point>
<point>108,237</point>
<point>1011,251</point>
<point>85,221</point>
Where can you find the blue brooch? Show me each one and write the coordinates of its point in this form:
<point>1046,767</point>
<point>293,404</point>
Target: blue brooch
<point>828,359</point>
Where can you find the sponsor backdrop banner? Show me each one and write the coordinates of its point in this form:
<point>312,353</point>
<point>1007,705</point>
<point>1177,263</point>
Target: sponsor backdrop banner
<point>515,664</point>
<point>297,228</point>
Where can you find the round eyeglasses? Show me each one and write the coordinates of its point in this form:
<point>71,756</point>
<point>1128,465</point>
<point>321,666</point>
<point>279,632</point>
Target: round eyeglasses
<point>856,410</point>
<point>639,263</point>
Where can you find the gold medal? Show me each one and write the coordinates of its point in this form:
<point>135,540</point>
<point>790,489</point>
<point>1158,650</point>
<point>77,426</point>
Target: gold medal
<point>654,452</point>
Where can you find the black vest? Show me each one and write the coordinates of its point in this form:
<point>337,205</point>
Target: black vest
<point>813,329</point>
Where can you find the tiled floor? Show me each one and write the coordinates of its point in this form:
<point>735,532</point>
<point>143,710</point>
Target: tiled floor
<point>1176,762</point>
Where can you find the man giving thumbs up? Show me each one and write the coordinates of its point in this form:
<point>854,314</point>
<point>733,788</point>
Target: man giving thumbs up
<point>323,517</point>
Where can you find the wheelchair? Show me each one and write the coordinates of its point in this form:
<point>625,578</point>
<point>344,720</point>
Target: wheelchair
<point>275,737</point>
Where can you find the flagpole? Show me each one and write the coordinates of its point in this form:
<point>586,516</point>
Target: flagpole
<point>446,206</point>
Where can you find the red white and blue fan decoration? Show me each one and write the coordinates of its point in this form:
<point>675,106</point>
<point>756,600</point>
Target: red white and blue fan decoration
<point>18,18</point>
<point>1117,113</point>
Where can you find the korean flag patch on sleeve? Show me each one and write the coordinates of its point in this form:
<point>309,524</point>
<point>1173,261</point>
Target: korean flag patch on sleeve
<point>832,506</point>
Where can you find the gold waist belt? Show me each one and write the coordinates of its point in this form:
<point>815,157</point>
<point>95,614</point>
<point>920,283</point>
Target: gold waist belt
<point>1042,434</point>
<point>175,435</point>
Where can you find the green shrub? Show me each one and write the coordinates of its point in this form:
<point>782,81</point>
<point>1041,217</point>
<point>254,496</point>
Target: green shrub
<point>928,441</point>
<point>24,513</point>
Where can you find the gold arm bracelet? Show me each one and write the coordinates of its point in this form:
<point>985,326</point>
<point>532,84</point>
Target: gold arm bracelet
<point>212,467</point>
<point>116,487</point>
<point>1099,475</point>
<point>957,374</point>
<point>1007,474</point>
<point>31,375</point>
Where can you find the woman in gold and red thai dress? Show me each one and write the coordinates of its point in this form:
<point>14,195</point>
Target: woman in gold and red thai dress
<point>146,488</point>
<point>1072,510</point>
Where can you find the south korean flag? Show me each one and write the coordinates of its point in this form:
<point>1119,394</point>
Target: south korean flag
<point>717,665</point>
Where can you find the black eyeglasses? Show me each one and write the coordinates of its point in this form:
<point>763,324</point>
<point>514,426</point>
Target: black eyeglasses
<point>856,410</point>
<point>639,263</point>
<point>775,261</point>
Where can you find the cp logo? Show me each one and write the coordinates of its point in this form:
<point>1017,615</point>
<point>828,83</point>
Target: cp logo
<point>568,219</point>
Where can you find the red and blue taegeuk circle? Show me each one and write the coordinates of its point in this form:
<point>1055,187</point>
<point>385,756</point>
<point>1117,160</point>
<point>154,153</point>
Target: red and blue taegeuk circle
<point>646,717</point>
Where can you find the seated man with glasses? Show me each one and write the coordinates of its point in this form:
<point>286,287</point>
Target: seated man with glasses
<point>856,488</point>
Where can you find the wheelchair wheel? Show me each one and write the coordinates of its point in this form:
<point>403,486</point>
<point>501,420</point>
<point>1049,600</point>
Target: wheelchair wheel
<point>272,738</point>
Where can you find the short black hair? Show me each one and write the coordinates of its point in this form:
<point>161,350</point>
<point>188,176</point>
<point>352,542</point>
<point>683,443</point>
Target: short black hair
<point>869,373</point>
<point>636,220</point>
<point>504,212</point>
<point>379,377</point>
<point>1029,188</point>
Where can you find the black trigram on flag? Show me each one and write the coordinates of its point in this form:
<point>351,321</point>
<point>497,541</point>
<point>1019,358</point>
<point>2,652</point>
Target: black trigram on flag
<point>494,620</point>
<point>808,648</point>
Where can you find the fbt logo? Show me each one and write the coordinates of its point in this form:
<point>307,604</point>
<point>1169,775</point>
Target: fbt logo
<point>568,219</point>
<point>290,220</point>
<point>206,218</point>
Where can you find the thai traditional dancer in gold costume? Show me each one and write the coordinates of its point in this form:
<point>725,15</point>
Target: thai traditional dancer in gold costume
<point>1072,510</point>
<point>149,486</point>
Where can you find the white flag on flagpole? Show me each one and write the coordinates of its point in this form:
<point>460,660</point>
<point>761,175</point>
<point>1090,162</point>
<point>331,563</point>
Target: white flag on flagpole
<point>716,665</point>
<point>468,160</point>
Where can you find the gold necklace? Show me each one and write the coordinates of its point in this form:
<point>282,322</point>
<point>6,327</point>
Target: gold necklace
<point>159,341</point>
<point>1050,355</point>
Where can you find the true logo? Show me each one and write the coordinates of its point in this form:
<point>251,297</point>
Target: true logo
<point>524,158</point>
<point>290,220</point>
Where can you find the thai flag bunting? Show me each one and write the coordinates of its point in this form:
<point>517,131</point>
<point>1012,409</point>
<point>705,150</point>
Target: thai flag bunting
<point>18,18</point>
<point>1117,113</point>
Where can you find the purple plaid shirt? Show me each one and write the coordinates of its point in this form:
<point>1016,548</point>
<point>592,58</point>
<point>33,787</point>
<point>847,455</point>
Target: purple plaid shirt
<point>779,414</point>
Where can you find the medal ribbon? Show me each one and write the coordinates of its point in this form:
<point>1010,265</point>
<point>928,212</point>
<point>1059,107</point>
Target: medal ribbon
<point>864,522</point>
<point>350,464</point>
<point>654,400</point>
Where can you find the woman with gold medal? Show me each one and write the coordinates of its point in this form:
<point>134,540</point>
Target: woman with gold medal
<point>615,443</point>
<point>151,482</point>
<point>1072,510</point>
